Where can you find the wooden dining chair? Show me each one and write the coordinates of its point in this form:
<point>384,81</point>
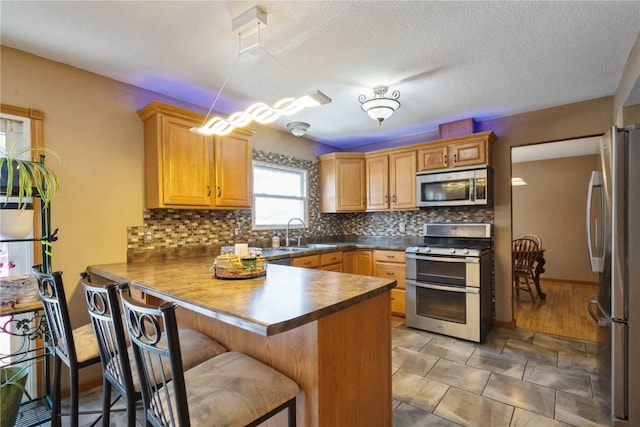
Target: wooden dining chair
<point>76,348</point>
<point>524,254</point>
<point>116,355</point>
<point>230,389</point>
<point>533,237</point>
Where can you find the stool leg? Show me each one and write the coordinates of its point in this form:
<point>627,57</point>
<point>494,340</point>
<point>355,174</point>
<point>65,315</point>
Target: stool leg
<point>131,413</point>
<point>106,402</point>
<point>73,396</point>
<point>55,405</point>
<point>292,414</point>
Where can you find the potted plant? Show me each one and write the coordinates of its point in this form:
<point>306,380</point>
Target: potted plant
<point>21,179</point>
<point>12,386</point>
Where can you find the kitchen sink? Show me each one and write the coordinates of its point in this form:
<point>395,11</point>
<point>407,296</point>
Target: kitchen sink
<point>321,246</point>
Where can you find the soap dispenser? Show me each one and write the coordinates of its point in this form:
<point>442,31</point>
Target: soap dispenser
<point>275,241</point>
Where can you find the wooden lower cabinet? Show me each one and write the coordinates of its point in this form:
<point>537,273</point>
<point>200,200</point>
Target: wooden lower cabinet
<point>331,261</point>
<point>391,265</point>
<point>309,261</point>
<point>359,261</point>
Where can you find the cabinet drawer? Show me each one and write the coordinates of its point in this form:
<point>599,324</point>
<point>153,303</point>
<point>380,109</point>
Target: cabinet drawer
<point>310,261</point>
<point>332,267</point>
<point>398,302</point>
<point>389,256</point>
<point>391,271</point>
<point>331,258</point>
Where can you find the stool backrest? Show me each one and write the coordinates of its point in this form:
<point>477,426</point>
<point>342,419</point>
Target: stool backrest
<point>106,317</point>
<point>56,312</point>
<point>155,348</point>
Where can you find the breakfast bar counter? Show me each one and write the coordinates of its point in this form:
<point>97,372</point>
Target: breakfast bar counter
<point>330,332</point>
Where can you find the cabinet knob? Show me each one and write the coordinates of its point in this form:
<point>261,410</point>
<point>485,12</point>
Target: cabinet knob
<point>455,158</point>
<point>445,159</point>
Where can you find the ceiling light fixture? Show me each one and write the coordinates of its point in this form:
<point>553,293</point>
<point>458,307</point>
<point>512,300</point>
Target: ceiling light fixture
<point>249,23</point>
<point>298,128</point>
<point>516,181</point>
<point>261,113</point>
<point>380,107</point>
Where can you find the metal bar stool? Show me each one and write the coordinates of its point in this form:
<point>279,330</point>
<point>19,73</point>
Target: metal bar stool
<point>104,309</point>
<point>76,348</point>
<point>231,389</point>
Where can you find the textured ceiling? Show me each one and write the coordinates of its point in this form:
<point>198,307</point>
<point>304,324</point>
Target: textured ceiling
<point>449,60</point>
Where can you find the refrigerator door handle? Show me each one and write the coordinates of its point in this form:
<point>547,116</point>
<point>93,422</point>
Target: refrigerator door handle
<point>597,261</point>
<point>601,321</point>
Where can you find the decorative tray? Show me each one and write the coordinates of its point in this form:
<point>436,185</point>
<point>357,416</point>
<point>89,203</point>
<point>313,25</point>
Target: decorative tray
<point>233,267</point>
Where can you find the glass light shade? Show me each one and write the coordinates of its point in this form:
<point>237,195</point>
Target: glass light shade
<point>517,181</point>
<point>380,107</point>
<point>298,128</point>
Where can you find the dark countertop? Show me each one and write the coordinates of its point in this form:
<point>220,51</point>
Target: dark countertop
<point>381,243</point>
<point>284,299</point>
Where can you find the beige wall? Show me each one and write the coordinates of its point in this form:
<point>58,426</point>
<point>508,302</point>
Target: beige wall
<point>577,120</point>
<point>552,206</point>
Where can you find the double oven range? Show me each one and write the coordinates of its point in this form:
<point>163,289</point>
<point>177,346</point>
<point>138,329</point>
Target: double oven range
<point>448,280</point>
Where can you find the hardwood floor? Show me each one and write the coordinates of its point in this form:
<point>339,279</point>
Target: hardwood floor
<point>564,312</point>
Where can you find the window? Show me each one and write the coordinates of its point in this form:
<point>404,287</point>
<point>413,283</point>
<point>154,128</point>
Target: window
<point>279,194</point>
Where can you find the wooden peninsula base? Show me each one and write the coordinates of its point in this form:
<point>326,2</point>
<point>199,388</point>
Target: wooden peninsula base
<point>342,362</point>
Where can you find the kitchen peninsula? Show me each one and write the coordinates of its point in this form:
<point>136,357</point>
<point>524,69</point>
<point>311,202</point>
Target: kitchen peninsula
<point>330,332</point>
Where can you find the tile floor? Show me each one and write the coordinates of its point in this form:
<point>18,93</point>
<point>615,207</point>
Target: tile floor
<point>517,378</point>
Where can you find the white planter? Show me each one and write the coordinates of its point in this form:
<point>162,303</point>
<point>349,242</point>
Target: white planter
<point>15,223</point>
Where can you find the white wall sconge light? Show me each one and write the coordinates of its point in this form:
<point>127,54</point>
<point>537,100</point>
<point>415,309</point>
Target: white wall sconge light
<point>380,107</point>
<point>516,181</point>
<point>298,128</point>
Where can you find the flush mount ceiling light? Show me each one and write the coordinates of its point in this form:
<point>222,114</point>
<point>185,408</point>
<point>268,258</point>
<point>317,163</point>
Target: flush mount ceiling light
<point>380,107</point>
<point>246,24</point>
<point>298,128</point>
<point>516,181</point>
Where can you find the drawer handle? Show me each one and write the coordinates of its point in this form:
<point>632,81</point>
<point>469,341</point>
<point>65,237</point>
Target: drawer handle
<point>307,263</point>
<point>391,256</point>
<point>390,273</point>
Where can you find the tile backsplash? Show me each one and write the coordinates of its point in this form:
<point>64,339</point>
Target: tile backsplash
<point>183,228</point>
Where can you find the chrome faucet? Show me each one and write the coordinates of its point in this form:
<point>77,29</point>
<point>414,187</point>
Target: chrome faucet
<point>286,239</point>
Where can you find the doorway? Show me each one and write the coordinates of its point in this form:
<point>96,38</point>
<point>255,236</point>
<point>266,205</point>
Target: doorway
<point>548,199</point>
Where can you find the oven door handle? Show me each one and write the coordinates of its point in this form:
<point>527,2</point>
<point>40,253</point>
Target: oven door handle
<point>466,290</point>
<point>469,260</point>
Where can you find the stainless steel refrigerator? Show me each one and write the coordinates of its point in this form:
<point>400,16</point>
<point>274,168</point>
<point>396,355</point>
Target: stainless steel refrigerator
<point>613,241</point>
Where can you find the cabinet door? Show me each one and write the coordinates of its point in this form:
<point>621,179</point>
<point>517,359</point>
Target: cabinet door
<point>186,156</point>
<point>468,153</point>
<point>233,171</point>
<point>363,263</point>
<point>347,261</point>
<point>398,304</point>
<point>432,158</point>
<point>403,180</point>
<point>350,191</point>
<point>377,170</point>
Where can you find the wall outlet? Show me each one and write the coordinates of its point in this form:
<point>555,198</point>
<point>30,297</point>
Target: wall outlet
<point>402,227</point>
<point>148,235</point>
<point>236,231</point>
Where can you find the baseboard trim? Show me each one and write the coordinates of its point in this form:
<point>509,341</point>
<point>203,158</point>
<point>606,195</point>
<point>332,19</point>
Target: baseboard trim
<point>568,282</point>
<point>501,324</point>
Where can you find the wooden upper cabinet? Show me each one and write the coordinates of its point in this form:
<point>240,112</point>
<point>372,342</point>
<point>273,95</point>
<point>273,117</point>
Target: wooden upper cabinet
<point>342,182</point>
<point>184,170</point>
<point>185,164</point>
<point>402,180</point>
<point>234,184</point>
<point>391,181</point>
<point>468,150</point>
<point>377,170</point>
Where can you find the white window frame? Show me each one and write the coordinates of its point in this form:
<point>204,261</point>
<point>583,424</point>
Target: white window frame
<point>305,197</point>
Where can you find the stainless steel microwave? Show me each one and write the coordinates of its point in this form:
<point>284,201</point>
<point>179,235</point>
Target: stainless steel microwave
<point>454,188</point>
